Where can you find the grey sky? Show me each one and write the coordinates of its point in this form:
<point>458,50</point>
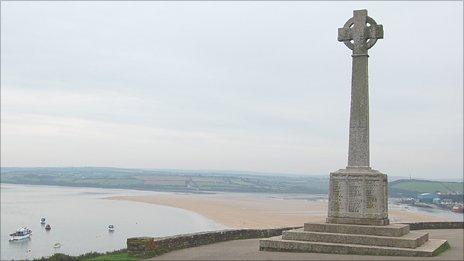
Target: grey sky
<point>261,86</point>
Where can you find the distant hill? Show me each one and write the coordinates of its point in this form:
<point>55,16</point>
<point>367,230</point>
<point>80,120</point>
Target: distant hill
<point>413,187</point>
<point>203,181</point>
<point>165,180</point>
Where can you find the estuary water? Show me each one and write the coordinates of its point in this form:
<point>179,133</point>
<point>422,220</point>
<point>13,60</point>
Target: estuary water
<point>79,218</point>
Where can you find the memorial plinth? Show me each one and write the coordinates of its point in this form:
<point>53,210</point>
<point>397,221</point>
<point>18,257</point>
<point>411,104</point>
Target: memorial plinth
<point>358,196</point>
<point>357,220</point>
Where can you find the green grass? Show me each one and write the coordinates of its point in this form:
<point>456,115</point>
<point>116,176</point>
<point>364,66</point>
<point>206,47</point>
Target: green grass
<point>118,255</point>
<point>429,186</point>
<point>441,249</point>
<point>113,257</point>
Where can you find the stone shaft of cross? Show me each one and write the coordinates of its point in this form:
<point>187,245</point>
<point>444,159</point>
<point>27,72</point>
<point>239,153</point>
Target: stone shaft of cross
<point>359,34</point>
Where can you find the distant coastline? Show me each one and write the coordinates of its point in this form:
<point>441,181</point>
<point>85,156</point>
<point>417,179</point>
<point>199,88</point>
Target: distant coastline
<point>202,181</point>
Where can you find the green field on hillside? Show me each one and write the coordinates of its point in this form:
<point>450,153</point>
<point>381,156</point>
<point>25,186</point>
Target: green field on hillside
<point>202,181</point>
<point>166,180</point>
<point>423,186</point>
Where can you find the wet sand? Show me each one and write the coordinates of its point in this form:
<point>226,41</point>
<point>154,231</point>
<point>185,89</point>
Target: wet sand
<point>257,211</point>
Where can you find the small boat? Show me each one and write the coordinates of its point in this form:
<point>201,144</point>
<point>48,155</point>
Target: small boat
<point>48,227</point>
<point>111,228</point>
<point>56,245</point>
<point>458,209</point>
<point>42,221</point>
<point>20,234</point>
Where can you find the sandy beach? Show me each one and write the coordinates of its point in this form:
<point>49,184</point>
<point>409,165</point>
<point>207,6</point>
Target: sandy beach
<point>236,210</point>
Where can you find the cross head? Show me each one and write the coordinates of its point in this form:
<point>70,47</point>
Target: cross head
<point>360,32</point>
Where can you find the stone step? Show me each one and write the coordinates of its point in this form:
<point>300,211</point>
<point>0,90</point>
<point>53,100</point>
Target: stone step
<point>392,230</point>
<point>431,248</point>
<point>410,240</point>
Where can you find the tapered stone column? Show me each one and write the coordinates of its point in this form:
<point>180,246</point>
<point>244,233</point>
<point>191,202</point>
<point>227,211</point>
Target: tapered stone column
<point>359,194</point>
<point>358,152</point>
<point>359,34</point>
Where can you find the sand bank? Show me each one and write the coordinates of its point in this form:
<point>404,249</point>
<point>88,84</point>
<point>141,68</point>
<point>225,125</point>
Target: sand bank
<point>258,211</point>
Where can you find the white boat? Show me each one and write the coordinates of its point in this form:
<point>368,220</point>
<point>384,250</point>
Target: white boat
<point>111,228</point>
<point>56,245</point>
<point>42,221</point>
<point>20,234</point>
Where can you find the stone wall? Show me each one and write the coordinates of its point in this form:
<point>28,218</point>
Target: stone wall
<point>149,246</point>
<point>435,225</point>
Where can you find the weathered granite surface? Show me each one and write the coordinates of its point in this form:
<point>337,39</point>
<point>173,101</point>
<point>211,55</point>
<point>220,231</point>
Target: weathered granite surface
<point>392,230</point>
<point>393,239</point>
<point>430,248</point>
<point>359,34</point>
<point>358,196</point>
<point>410,240</point>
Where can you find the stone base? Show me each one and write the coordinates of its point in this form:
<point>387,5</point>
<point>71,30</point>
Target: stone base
<point>388,240</point>
<point>358,196</point>
<point>410,240</point>
<point>393,230</point>
<point>359,221</point>
<point>432,247</point>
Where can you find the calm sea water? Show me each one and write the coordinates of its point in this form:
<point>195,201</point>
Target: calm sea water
<point>79,218</point>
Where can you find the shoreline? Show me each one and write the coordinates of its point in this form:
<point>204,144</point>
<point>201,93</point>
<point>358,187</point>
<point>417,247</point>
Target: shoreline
<point>252,210</point>
<point>236,210</point>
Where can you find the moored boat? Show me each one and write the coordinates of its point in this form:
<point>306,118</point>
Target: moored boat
<point>458,209</point>
<point>111,228</point>
<point>42,221</point>
<point>20,234</point>
<point>48,227</point>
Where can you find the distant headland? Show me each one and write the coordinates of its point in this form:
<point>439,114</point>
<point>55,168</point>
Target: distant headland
<point>205,181</point>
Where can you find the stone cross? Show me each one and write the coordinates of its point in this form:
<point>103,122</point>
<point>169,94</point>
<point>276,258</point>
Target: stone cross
<point>359,34</point>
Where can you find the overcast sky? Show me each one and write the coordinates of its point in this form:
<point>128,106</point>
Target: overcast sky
<point>258,86</point>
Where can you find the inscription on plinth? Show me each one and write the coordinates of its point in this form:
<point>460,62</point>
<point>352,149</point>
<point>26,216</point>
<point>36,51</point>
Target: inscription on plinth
<point>358,196</point>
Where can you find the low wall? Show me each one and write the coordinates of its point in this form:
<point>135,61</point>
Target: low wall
<point>435,225</point>
<point>149,246</point>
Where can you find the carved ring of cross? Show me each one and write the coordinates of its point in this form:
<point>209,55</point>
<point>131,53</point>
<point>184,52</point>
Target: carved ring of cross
<point>374,32</point>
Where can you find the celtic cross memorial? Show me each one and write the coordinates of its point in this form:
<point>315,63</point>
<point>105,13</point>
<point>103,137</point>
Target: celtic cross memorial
<point>359,34</point>
<point>357,222</point>
<point>358,194</point>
